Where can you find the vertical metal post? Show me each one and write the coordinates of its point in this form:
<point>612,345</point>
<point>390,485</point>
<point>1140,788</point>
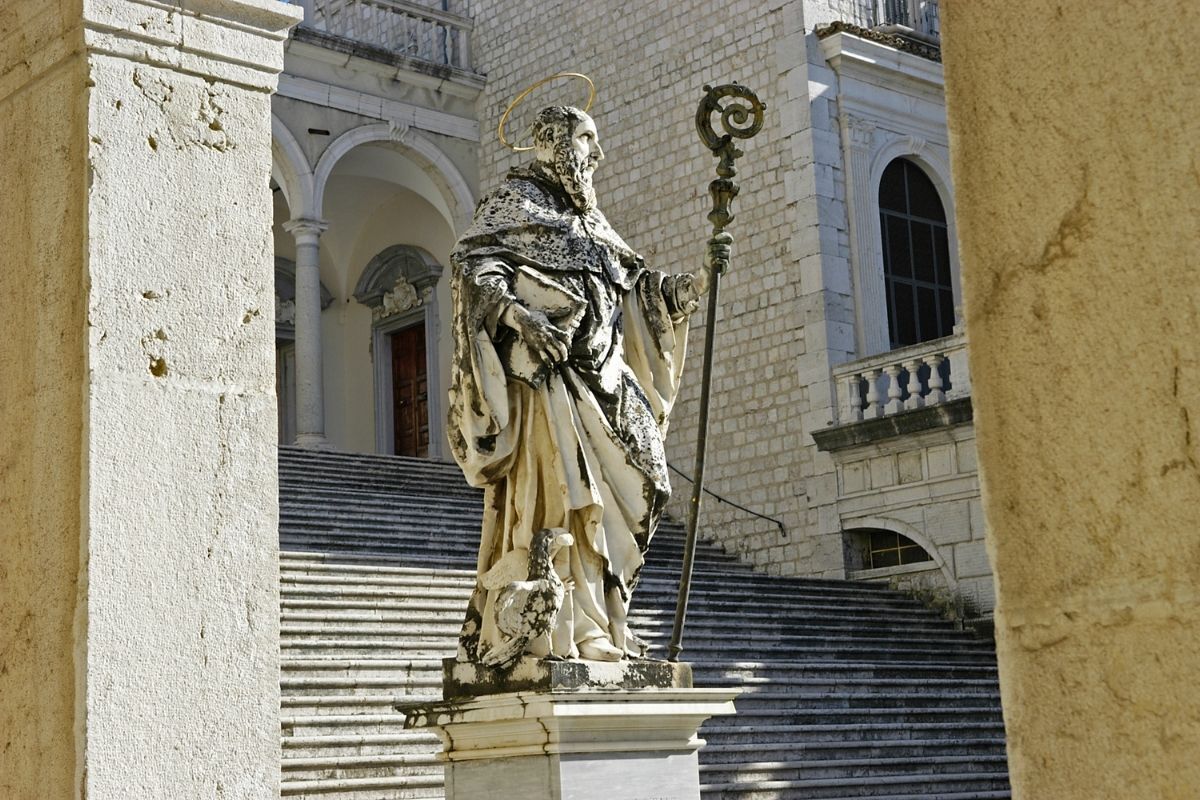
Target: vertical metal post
<point>741,122</point>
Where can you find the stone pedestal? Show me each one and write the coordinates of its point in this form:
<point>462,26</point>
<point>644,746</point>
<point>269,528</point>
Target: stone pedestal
<point>595,736</point>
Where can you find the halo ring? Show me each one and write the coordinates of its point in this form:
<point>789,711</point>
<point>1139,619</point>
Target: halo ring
<point>508,111</point>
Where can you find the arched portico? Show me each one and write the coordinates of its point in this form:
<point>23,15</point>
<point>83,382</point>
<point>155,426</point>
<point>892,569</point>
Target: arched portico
<point>455,190</point>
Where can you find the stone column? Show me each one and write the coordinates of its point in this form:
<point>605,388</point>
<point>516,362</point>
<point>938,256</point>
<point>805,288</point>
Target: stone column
<point>1077,177</point>
<point>138,586</point>
<point>310,397</point>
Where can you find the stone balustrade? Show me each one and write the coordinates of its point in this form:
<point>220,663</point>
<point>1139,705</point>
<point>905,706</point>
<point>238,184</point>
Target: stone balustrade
<point>918,376</point>
<point>404,27</point>
<point>919,16</point>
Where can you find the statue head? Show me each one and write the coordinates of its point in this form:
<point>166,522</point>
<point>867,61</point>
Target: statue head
<point>566,141</point>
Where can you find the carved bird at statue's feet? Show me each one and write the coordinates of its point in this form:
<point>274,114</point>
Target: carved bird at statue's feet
<point>527,609</point>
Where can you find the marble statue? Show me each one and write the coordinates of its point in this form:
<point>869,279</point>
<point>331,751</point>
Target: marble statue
<point>568,356</point>
<point>529,597</point>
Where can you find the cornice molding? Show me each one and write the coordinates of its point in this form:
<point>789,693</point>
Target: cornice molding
<point>897,41</point>
<point>234,41</point>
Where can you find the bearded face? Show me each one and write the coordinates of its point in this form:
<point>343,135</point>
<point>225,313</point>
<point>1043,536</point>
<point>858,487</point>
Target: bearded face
<point>574,169</point>
<point>568,147</point>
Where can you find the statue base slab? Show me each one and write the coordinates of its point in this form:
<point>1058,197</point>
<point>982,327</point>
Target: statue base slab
<point>471,679</point>
<point>574,744</point>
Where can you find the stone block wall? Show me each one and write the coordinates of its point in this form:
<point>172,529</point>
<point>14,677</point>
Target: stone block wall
<point>924,486</point>
<point>650,63</point>
<point>788,305</point>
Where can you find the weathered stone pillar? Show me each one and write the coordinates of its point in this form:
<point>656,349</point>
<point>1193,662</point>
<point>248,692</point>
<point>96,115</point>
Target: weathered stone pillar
<point>310,396</point>
<point>1074,142</point>
<point>138,588</point>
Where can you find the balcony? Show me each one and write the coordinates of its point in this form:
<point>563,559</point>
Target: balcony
<point>393,29</point>
<point>924,386</point>
<point>914,19</point>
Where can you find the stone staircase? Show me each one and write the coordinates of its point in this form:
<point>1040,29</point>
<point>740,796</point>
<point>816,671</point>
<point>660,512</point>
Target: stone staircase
<point>851,690</point>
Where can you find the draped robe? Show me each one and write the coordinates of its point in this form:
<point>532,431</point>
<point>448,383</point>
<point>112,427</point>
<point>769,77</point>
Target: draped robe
<point>584,449</point>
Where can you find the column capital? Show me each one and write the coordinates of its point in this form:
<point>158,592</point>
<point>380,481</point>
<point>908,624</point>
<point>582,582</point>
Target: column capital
<point>861,132</point>
<point>303,228</point>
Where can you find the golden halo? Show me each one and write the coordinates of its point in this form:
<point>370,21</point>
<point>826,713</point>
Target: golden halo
<point>504,119</point>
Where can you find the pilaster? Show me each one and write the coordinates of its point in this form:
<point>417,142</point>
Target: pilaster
<point>139,479</point>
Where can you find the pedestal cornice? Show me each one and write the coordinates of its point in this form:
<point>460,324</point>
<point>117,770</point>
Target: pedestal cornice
<point>565,721</point>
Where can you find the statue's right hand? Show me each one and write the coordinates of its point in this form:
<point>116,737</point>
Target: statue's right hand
<point>537,331</point>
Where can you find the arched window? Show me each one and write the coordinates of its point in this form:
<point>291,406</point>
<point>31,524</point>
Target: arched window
<point>874,548</point>
<point>916,256</point>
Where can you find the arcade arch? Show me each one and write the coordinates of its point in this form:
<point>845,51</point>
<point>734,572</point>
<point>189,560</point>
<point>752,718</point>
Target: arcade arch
<point>373,189</point>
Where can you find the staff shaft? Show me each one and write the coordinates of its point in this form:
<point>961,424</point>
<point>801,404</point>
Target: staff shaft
<point>740,119</point>
<point>689,547</point>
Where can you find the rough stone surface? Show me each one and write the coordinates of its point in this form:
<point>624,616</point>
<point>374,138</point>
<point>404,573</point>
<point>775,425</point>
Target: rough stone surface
<point>43,157</point>
<point>141,586</point>
<point>465,679</point>
<point>1075,164</point>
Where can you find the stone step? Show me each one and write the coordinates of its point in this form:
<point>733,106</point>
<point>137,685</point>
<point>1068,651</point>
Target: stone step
<point>366,677</point>
<point>749,791</point>
<point>756,671</point>
<point>653,620</point>
<point>347,704</point>
<point>334,649</point>
<point>341,744</point>
<point>863,716</point>
<point>650,587</point>
<point>391,788</point>
<point>785,697</point>
<point>342,725</point>
<point>362,766</point>
<point>335,561</point>
<point>803,735</point>
<point>413,517</point>
<point>861,749</point>
<point>646,617</point>
<point>435,545</point>
<point>851,690</point>
<point>942,786</point>
<point>821,768</point>
<point>415,632</point>
<point>757,646</point>
<point>402,612</point>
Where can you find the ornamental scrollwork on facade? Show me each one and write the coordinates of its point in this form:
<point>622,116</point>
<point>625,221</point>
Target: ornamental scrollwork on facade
<point>402,296</point>
<point>861,132</point>
<point>285,311</point>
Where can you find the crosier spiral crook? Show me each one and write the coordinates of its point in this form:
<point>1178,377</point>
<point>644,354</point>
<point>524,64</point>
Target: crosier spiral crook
<point>734,116</point>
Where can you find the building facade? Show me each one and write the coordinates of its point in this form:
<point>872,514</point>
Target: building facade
<point>841,405</point>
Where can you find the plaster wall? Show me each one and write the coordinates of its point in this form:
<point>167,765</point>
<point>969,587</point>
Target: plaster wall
<point>43,361</point>
<point>367,216</point>
<point>1074,156</point>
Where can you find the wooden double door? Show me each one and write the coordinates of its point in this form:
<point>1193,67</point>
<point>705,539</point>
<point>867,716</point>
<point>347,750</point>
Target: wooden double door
<point>410,392</point>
